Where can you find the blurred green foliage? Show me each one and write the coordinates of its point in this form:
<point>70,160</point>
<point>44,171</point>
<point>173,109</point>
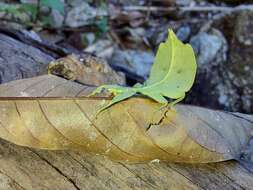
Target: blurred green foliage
<point>55,4</point>
<point>18,9</point>
<point>38,16</point>
<point>102,24</point>
<point>32,10</point>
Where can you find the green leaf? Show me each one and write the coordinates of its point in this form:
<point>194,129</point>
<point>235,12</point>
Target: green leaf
<point>171,76</point>
<point>9,8</point>
<point>54,4</point>
<point>18,9</point>
<point>102,24</point>
<point>26,7</point>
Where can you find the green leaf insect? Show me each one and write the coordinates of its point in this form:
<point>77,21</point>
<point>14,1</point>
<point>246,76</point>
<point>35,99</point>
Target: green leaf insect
<point>171,76</point>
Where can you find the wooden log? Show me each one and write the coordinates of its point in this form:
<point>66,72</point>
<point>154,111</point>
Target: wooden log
<point>25,168</point>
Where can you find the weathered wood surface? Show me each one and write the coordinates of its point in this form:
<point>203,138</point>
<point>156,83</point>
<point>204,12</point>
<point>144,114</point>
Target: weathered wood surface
<point>26,168</point>
<point>18,60</point>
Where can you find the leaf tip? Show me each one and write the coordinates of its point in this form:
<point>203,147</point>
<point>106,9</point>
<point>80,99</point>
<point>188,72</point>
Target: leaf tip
<point>171,33</point>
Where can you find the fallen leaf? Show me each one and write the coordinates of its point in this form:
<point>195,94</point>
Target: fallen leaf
<point>49,112</point>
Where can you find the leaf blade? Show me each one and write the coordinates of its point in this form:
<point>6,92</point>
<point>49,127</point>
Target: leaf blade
<point>124,132</point>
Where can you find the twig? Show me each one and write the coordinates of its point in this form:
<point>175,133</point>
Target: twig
<point>148,12</point>
<point>189,9</point>
<point>87,28</point>
<point>116,38</point>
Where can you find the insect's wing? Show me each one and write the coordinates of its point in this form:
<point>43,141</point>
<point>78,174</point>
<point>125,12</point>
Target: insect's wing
<point>156,96</point>
<point>161,64</point>
<point>181,74</point>
<point>183,65</point>
<point>174,70</point>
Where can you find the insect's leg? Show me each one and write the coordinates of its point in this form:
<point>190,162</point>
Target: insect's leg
<point>172,104</point>
<point>96,91</point>
<point>99,90</point>
<point>163,106</point>
<point>118,98</point>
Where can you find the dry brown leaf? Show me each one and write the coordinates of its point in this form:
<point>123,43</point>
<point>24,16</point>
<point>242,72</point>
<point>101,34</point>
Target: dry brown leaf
<point>49,112</point>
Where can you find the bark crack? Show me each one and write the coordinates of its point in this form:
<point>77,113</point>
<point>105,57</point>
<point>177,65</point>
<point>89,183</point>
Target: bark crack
<point>58,170</point>
<point>13,180</point>
<point>139,177</point>
<point>189,179</point>
<point>229,178</point>
<point>94,174</point>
